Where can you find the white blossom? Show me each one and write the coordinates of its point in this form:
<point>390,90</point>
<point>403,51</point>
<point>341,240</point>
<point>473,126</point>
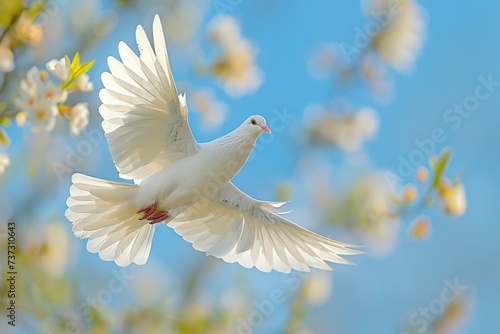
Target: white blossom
<point>317,288</point>
<point>237,71</point>
<point>38,97</point>
<point>224,30</point>
<point>35,77</point>
<point>55,250</point>
<point>371,212</point>
<point>400,41</point>
<point>28,31</point>
<point>454,200</point>
<point>27,95</point>
<point>43,115</point>
<point>183,21</point>
<point>6,59</point>
<point>347,131</point>
<point>151,283</point>
<point>4,162</point>
<point>59,68</point>
<point>52,92</point>
<point>84,84</point>
<point>78,118</point>
<point>211,110</point>
<point>321,64</point>
<point>235,67</point>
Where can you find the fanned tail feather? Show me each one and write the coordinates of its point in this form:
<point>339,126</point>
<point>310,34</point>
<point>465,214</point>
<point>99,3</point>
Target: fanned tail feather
<point>105,213</point>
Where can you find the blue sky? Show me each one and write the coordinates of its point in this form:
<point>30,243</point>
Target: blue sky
<point>462,45</point>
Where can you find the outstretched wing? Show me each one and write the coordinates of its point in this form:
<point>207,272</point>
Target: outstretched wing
<point>237,228</point>
<point>145,120</point>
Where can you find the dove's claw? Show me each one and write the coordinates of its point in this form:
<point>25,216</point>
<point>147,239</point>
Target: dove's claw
<point>148,211</point>
<point>158,217</point>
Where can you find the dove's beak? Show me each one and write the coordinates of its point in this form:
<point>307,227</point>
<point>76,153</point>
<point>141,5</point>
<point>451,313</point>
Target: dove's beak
<point>265,128</point>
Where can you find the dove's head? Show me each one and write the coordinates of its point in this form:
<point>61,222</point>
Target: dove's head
<point>255,124</point>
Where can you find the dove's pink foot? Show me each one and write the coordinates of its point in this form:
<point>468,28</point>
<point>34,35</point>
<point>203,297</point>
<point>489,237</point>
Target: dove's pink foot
<point>151,214</point>
<point>156,218</point>
<point>148,211</point>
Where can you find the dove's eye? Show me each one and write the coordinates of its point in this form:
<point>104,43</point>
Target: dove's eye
<point>253,121</point>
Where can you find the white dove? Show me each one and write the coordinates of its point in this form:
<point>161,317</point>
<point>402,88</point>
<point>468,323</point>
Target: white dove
<point>182,183</point>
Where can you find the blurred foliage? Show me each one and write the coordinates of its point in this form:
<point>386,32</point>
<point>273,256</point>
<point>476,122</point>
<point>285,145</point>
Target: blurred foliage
<point>55,291</point>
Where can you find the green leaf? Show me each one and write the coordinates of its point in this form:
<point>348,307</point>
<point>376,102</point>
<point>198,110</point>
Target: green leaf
<point>68,84</point>
<point>4,139</point>
<point>284,191</point>
<point>441,166</point>
<point>35,9</point>
<point>4,121</point>
<point>76,71</point>
<point>75,64</point>
<point>9,10</point>
<point>84,68</point>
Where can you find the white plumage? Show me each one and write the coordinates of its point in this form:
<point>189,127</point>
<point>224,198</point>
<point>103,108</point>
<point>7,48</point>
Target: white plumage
<point>185,184</point>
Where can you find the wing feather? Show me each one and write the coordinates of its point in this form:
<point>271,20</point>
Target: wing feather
<point>235,227</point>
<point>160,47</point>
<point>147,55</point>
<point>145,119</point>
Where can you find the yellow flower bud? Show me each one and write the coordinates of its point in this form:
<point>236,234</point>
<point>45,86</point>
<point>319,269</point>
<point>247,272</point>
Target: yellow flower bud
<point>44,75</point>
<point>317,288</point>
<point>422,174</point>
<point>410,193</point>
<point>234,63</point>
<point>420,228</point>
<point>454,200</point>
<point>29,31</point>
<point>21,118</point>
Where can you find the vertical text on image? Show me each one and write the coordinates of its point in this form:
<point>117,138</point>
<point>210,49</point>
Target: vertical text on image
<point>11,273</point>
